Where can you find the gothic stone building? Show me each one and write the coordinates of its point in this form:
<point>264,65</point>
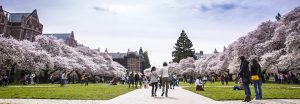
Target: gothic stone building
<point>21,26</point>
<point>132,61</point>
<point>68,38</point>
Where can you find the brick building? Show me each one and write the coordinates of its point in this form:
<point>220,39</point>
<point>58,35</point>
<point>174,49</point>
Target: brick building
<point>68,38</point>
<point>21,26</point>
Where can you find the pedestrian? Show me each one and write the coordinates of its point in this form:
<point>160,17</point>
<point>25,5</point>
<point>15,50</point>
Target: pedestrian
<point>136,79</point>
<point>256,77</point>
<point>1,80</point>
<point>141,79</point>
<point>245,75</point>
<point>165,79</point>
<point>222,77</point>
<point>51,79</point>
<point>145,82</point>
<point>84,79</point>
<point>5,80</point>
<point>32,76</point>
<point>153,81</point>
<point>131,79</point>
<point>171,80</point>
<point>174,80</point>
<point>204,79</point>
<point>226,78</point>
<point>63,79</point>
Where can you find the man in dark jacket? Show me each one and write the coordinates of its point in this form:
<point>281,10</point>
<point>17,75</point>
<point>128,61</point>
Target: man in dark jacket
<point>136,79</point>
<point>245,75</point>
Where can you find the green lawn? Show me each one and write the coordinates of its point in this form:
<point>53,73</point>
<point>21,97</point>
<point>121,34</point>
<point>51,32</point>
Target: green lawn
<point>70,91</point>
<point>217,91</point>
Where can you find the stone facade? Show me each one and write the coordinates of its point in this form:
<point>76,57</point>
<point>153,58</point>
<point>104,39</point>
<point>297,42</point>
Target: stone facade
<point>68,38</point>
<point>132,61</point>
<point>21,26</point>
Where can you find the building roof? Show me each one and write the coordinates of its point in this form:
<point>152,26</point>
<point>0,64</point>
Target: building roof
<point>17,17</point>
<point>117,55</point>
<point>62,36</point>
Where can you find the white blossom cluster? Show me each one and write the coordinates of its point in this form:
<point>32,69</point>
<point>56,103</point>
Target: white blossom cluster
<point>275,44</point>
<point>47,53</point>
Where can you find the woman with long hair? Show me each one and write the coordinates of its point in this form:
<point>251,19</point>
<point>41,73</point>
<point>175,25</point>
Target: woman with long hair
<point>256,77</point>
<point>153,81</point>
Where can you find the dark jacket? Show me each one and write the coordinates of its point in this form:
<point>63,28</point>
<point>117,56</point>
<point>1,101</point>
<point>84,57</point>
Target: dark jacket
<point>244,72</point>
<point>256,70</point>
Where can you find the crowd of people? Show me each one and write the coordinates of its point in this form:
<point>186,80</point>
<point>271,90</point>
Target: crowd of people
<point>4,81</point>
<point>29,78</point>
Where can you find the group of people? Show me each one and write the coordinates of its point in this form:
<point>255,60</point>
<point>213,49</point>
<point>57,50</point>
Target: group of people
<point>164,78</point>
<point>133,80</point>
<point>3,80</point>
<point>28,79</point>
<point>251,76</point>
<point>289,78</point>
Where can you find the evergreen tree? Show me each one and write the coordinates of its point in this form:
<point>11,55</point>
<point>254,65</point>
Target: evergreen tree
<point>146,60</point>
<point>141,51</point>
<point>183,48</point>
<point>278,17</point>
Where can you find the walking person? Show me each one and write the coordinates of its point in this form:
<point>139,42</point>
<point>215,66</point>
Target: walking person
<point>153,81</point>
<point>63,79</point>
<point>165,79</point>
<point>131,79</point>
<point>256,77</point>
<point>145,82</point>
<point>245,75</point>
<point>136,79</point>
<point>174,80</point>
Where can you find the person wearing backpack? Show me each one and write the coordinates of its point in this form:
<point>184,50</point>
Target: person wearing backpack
<point>256,77</point>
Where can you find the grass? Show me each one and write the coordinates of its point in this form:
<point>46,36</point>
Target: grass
<point>217,91</point>
<point>70,91</point>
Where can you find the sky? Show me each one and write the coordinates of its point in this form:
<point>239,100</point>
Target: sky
<point>154,25</point>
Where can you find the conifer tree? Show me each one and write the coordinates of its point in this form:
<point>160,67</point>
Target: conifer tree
<point>278,17</point>
<point>183,48</point>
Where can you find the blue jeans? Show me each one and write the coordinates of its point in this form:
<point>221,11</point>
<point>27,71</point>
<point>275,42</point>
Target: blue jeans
<point>257,89</point>
<point>247,89</point>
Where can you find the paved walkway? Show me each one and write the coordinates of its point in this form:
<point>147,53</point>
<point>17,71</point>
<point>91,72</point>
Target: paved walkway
<point>142,96</point>
<point>49,101</point>
<point>176,96</point>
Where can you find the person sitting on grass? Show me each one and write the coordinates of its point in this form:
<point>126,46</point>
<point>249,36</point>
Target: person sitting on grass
<point>236,87</point>
<point>113,81</point>
<point>199,84</point>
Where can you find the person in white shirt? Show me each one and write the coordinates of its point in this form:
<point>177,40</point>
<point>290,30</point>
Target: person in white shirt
<point>32,76</point>
<point>165,79</point>
<point>199,84</point>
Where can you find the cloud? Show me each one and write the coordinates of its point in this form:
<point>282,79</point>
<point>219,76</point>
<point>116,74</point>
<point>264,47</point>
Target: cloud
<point>218,7</point>
<point>98,8</point>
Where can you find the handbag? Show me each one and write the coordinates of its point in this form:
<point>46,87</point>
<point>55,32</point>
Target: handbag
<point>254,78</point>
